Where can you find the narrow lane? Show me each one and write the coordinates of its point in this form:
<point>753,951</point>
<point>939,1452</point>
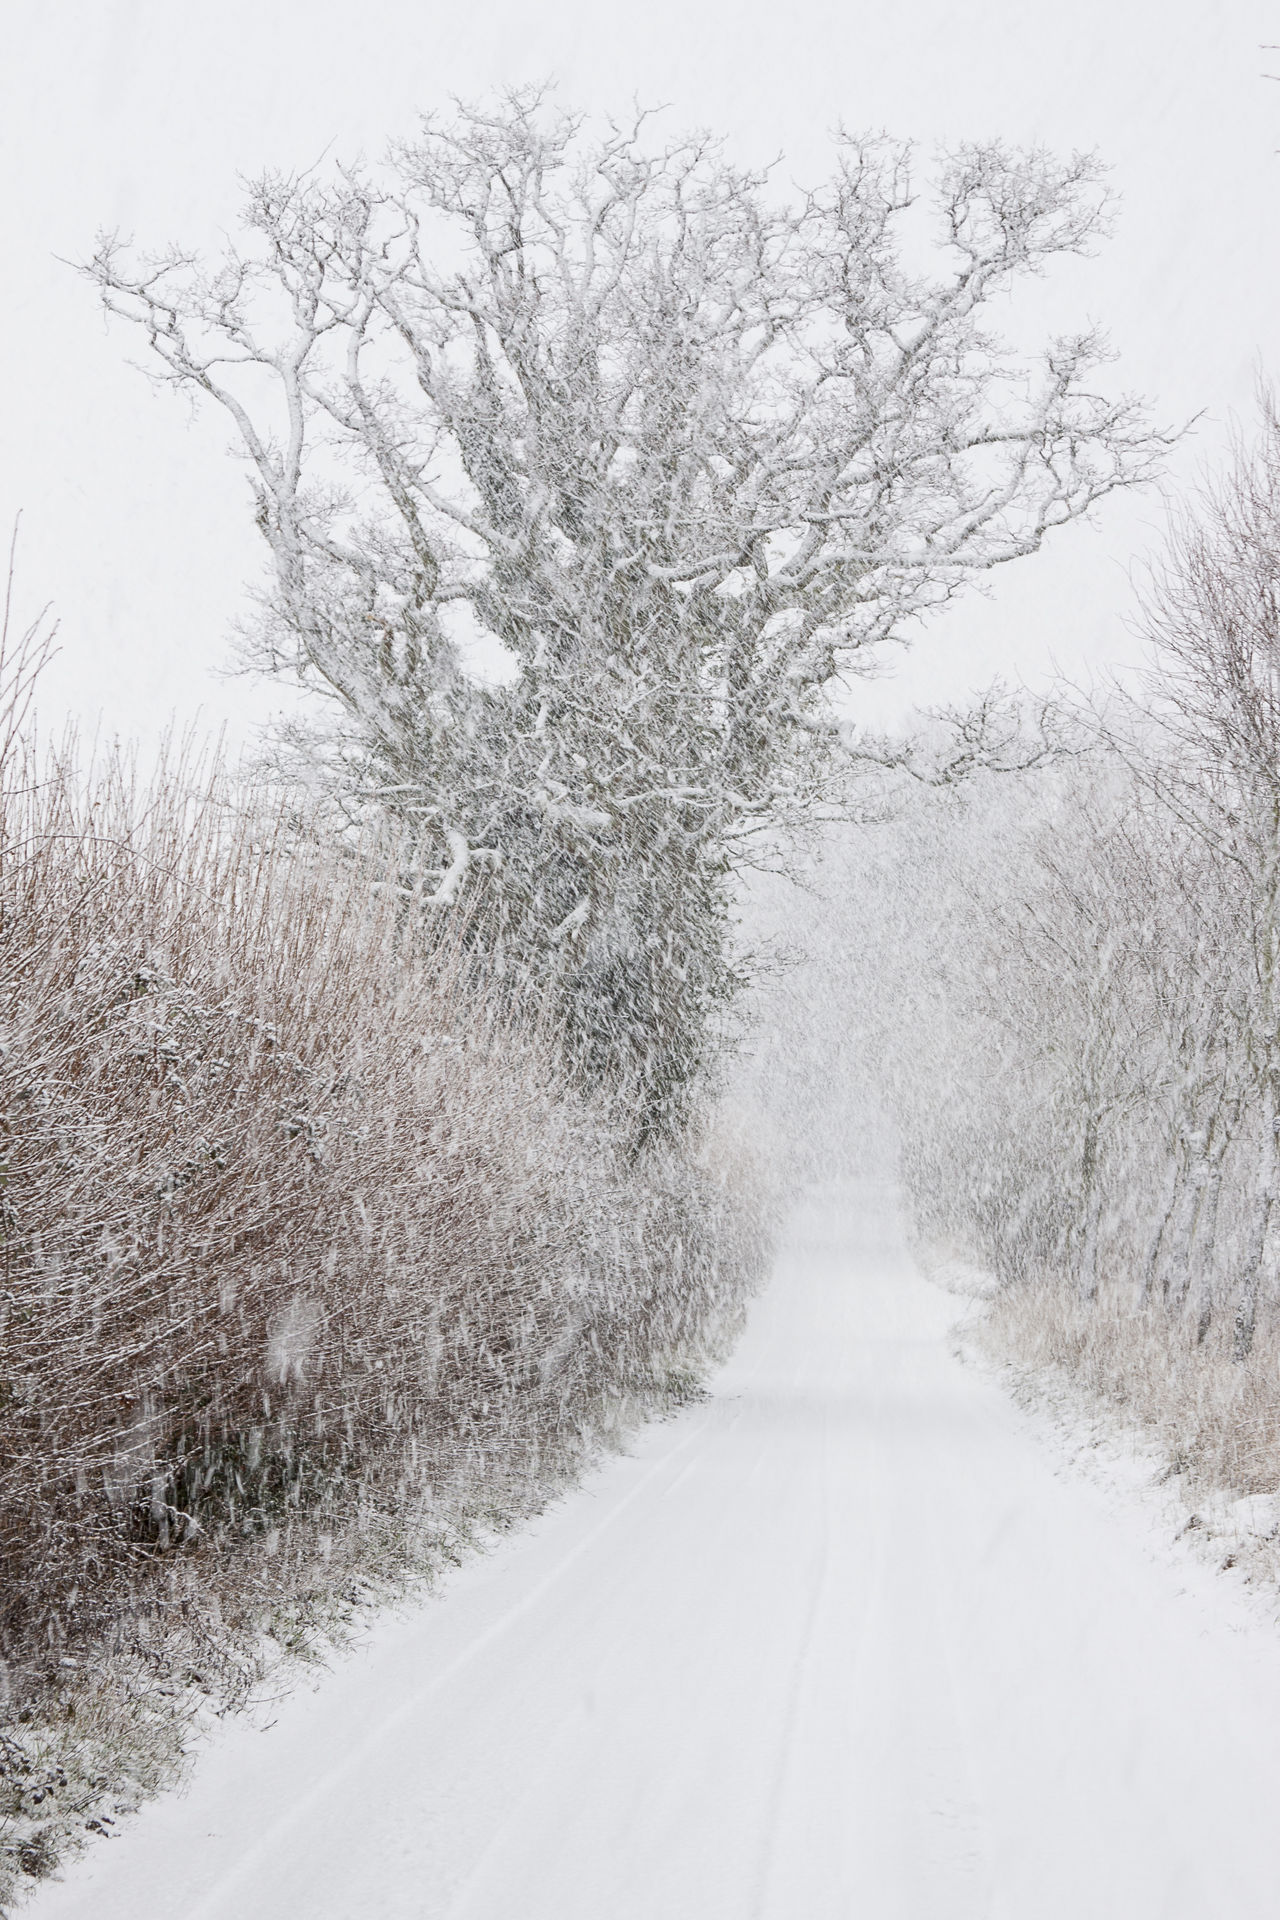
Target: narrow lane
<point>839,1642</point>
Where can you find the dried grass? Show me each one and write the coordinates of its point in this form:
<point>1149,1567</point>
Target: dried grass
<point>1215,1418</point>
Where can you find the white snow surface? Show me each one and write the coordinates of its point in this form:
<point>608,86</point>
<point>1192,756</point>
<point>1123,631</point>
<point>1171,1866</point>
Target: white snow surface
<point>847,1639</point>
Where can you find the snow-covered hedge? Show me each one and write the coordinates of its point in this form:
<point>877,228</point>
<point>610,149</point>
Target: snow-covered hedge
<point>312,1262</point>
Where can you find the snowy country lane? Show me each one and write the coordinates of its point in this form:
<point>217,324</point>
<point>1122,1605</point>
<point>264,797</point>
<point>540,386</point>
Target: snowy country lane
<point>838,1642</point>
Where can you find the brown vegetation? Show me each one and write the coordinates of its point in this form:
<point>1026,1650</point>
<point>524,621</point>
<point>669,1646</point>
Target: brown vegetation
<point>1215,1418</point>
<point>312,1262</point>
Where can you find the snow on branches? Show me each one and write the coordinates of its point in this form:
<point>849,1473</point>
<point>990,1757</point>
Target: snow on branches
<point>689,451</point>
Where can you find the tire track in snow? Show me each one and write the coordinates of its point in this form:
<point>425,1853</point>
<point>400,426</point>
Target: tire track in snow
<point>772,1835</point>
<point>335,1777</point>
<point>482,1880</point>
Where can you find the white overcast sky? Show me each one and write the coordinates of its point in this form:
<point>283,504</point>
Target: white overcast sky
<point>140,115</point>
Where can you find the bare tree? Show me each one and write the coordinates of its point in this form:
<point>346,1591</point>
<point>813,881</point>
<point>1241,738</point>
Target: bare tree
<point>1114,980</point>
<point>1203,735</point>
<point>692,453</point>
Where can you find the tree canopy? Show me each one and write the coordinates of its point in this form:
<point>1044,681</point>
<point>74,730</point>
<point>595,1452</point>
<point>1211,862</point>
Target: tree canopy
<point>690,450</point>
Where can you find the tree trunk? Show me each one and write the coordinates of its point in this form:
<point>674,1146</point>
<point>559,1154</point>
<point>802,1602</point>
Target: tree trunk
<point>1091,1210</point>
<point>1177,1279</point>
<point>1206,1236</point>
<point>1151,1265</point>
<point>1255,1248</point>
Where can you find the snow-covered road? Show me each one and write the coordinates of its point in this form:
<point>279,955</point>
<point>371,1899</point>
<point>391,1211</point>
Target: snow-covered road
<point>838,1644</point>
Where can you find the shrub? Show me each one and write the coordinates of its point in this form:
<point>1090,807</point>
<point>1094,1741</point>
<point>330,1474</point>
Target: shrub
<point>311,1261</point>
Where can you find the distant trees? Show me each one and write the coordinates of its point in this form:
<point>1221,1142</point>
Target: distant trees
<point>690,452</point>
<point>1213,762</point>
<point>1094,953</point>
